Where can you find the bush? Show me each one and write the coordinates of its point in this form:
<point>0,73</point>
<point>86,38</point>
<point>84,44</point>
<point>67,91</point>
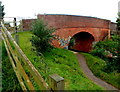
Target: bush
<point>103,49</point>
<point>43,36</point>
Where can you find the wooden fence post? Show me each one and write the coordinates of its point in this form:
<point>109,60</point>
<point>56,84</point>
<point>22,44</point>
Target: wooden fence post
<point>21,26</point>
<point>56,83</point>
<point>16,37</point>
<point>15,25</point>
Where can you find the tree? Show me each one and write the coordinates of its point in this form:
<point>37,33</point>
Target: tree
<point>1,10</point>
<point>118,21</point>
<point>43,36</point>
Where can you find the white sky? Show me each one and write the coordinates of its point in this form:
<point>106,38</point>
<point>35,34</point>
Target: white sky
<point>106,9</point>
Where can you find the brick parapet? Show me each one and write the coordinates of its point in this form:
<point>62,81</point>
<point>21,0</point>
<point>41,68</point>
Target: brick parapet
<point>69,21</point>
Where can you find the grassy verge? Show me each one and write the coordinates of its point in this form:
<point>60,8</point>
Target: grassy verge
<point>9,79</point>
<point>96,65</point>
<point>59,61</point>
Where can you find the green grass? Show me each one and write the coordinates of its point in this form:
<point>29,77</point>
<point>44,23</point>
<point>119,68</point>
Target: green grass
<point>9,79</point>
<point>58,61</point>
<point>96,65</point>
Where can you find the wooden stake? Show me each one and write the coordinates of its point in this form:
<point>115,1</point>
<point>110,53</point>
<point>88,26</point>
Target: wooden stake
<point>56,82</point>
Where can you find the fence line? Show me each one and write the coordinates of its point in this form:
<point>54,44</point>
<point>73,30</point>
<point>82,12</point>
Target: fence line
<point>14,68</point>
<point>20,72</point>
<point>18,59</point>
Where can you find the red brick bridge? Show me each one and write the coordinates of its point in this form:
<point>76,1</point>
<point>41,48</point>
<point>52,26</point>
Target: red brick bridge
<point>75,32</point>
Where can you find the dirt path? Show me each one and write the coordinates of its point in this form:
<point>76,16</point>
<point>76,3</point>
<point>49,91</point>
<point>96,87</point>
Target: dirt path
<point>90,75</point>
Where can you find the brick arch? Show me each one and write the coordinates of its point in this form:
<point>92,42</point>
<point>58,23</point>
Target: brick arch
<point>97,33</point>
<point>82,41</point>
<point>65,34</point>
<point>89,32</point>
<point>68,25</point>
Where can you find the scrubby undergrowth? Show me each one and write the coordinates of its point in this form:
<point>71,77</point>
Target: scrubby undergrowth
<point>97,67</point>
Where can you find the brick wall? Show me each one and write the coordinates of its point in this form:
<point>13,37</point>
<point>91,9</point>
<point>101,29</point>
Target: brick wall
<point>67,26</point>
<point>68,21</point>
<point>27,24</point>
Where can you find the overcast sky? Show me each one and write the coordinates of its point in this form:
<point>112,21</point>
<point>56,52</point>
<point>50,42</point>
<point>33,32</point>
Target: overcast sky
<point>106,9</point>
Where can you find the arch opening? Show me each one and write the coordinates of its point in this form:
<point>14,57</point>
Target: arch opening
<point>81,41</point>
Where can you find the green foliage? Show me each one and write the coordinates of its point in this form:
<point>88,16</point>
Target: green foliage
<point>9,79</point>
<point>118,24</point>
<point>97,65</point>
<point>118,21</point>
<point>1,11</point>
<point>42,37</point>
<point>67,66</point>
<point>58,61</point>
<point>72,43</point>
<point>104,48</point>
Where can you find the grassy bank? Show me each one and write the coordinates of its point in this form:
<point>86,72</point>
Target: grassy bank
<point>9,79</point>
<point>59,61</point>
<point>96,65</point>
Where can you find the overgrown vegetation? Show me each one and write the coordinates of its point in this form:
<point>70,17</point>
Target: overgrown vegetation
<point>72,43</point>
<point>1,10</point>
<point>66,65</point>
<point>9,79</point>
<point>97,65</point>
<point>42,38</point>
<point>118,21</point>
<point>59,61</point>
<point>108,67</point>
<point>109,50</point>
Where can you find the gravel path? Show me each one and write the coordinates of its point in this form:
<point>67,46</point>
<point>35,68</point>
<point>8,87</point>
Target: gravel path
<point>90,75</point>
